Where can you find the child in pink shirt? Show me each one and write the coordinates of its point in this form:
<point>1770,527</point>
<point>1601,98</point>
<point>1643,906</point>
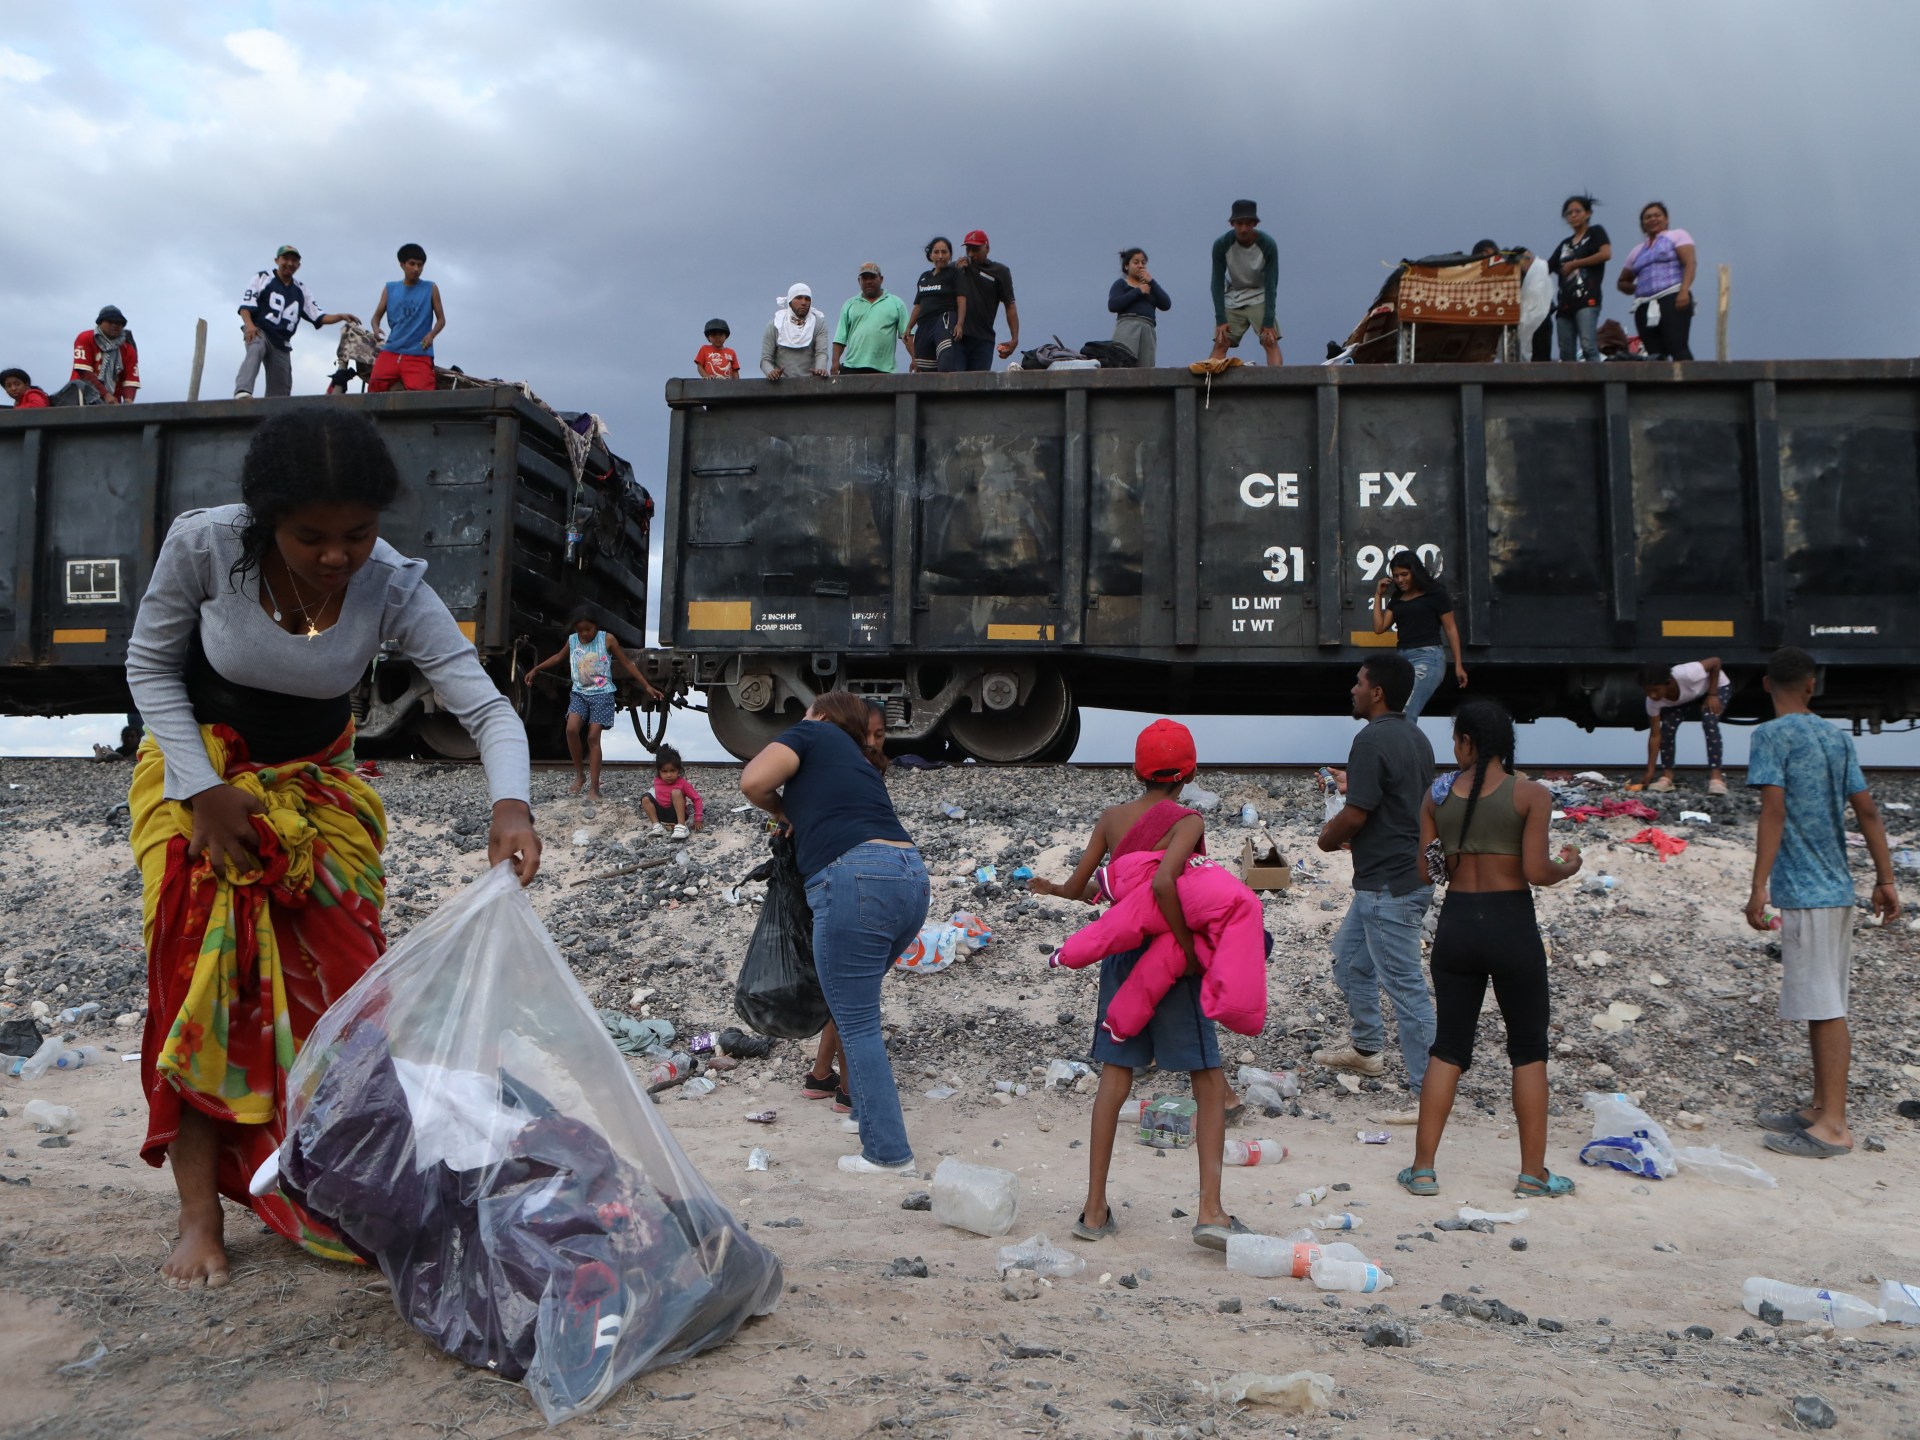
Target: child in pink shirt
<point>672,791</point>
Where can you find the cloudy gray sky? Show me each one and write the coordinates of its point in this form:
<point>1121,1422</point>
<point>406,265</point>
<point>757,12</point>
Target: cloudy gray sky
<point>592,181</point>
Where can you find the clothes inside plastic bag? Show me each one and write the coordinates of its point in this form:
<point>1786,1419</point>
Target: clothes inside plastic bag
<point>940,944</point>
<point>778,992</point>
<point>464,1121</point>
<point>1627,1138</point>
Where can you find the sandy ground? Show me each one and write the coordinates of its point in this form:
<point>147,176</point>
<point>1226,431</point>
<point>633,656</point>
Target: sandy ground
<point>299,1348</point>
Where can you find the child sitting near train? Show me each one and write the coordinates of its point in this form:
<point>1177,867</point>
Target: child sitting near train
<point>672,794</point>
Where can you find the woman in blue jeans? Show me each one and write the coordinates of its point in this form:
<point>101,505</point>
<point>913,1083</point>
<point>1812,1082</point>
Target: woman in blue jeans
<point>868,891</point>
<point>1417,606</point>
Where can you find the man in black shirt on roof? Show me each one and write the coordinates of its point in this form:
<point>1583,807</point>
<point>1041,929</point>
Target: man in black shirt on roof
<point>988,285</point>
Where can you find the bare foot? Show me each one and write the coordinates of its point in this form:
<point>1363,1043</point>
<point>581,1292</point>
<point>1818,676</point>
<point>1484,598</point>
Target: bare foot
<point>575,788</point>
<point>595,793</point>
<point>199,1257</point>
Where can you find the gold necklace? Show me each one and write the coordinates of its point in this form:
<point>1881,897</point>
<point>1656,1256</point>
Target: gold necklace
<point>313,630</point>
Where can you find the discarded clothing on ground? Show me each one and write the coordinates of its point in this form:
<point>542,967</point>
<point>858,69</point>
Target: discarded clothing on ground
<point>1667,845</point>
<point>941,943</point>
<point>1607,809</point>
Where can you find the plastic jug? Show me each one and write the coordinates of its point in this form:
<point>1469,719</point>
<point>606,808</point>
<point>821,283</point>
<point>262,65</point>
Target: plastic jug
<point>975,1197</point>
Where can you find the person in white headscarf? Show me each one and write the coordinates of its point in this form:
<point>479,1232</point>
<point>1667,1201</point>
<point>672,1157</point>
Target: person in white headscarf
<point>796,341</point>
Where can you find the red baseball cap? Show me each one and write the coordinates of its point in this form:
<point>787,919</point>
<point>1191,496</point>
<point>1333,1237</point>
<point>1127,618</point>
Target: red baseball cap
<point>975,237</point>
<point>1164,752</point>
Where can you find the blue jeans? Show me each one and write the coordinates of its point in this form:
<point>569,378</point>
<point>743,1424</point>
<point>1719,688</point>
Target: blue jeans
<point>1377,947</point>
<point>1429,669</point>
<point>867,908</point>
<point>1582,325</point>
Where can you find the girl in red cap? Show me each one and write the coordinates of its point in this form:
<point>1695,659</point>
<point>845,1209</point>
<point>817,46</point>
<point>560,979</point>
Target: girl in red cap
<point>1180,1036</point>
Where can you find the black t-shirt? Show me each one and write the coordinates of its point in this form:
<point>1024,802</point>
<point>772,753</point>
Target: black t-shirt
<point>988,285</point>
<point>836,800</point>
<point>937,292</point>
<point>1388,771</point>
<point>1580,289</point>
<point>1417,617</point>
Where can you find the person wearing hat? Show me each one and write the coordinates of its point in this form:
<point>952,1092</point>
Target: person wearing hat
<point>1246,270</point>
<point>21,390</point>
<point>270,311</point>
<point>1377,947</point>
<point>1179,1036</point>
<point>106,359</point>
<point>714,360</point>
<point>988,285</point>
<point>795,342</point>
<point>871,324</point>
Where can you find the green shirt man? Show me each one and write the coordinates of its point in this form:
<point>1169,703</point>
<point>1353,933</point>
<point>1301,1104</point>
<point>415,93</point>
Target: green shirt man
<point>871,324</point>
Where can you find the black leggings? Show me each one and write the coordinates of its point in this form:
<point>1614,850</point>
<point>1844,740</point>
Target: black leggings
<point>1670,339</point>
<point>1490,935</point>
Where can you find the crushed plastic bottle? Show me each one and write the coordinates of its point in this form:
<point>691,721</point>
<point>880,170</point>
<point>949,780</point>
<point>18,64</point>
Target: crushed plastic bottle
<point>51,1119</point>
<point>757,1158</point>
<point>975,1197</point>
<point>1250,815</point>
<point>1797,1302</point>
<point>1345,1220</point>
<point>699,1085</point>
<point>1497,1217</point>
<point>74,1014</point>
<point>1195,797</point>
<point>1063,1073</point>
<point>1362,1277</point>
<point>1040,1255</point>
<point>1901,1302</point>
<point>1253,1152</point>
<point>670,1069</point>
<point>1284,1083</point>
<point>952,811</point>
<point>1598,884</point>
<point>41,1061</point>
<point>1310,1197</point>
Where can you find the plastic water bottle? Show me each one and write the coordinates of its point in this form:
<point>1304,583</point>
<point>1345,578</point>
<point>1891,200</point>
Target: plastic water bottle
<point>1345,1220</point>
<point>51,1119</point>
<point>1131,1111</point>
<point>699,1085</point>
<point>975,1197</point>
<point>75,1014</point>
<point>1796,1302</point>
<point>1597,884</point>
<point>41,1061</point>
<point>1262,1256</point>
<point>952,811</point>
<point>1901,1302</point>
<point>1362,1277</point>
<point>74,1059</point>
<point>670,1069</point>
<point>1308,1251</point>
<point>1310,1197</point>
<point>1253,1152</point>
<point>1249,815</point>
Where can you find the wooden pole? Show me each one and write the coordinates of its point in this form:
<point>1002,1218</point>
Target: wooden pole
<point>1720,317</point>
<point>200,357</point>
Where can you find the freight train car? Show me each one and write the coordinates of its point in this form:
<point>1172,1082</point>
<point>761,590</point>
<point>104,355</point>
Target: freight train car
<point>987,553</point>
<point>519,514</point>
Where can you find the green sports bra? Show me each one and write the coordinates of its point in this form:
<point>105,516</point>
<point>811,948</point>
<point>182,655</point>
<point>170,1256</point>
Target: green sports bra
<point>1497,825</point>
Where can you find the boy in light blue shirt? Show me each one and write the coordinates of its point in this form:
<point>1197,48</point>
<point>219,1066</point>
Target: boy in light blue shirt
<point>412,306</point>
<point>1807,774</point>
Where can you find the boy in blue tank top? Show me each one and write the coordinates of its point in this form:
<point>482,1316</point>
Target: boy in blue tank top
<point>590,655</point>
<point>412,306</point>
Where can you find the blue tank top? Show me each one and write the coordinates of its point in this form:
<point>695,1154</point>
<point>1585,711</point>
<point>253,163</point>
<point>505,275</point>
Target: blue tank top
<point>409,317</point>
<point>592,666</point>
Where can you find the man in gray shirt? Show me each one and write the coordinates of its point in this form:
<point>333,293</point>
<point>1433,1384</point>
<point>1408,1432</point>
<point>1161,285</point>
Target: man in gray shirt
<point>1246,275</point>
<point>1377,946</point>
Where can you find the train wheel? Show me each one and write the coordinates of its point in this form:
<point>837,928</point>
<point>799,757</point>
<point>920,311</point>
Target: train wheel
<point>650,725</point>
<point>745,733</point>
<point>442,733</point>
<point>1061,750</point>
<point>1000,737</point>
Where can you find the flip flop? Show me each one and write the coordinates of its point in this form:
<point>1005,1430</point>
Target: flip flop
<point>1908,1109</point>
<point>1084,1231</point>
<point>1807,1147</point>
<point>1782,1122</point>
<point>1214,1237</point>
<point>1411,1182</point>
<point>1552,1187</point>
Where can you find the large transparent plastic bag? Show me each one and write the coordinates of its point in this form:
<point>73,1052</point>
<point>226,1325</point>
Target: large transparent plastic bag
<point>462,1119</point>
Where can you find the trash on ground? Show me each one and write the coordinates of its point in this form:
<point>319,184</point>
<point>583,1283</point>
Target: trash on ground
<point>635,1036</point>
<point>1042,1257</point>
<point>1167,1123</point>
<point>941,943</point>
<point>1626,1138</point>
<point>1497,1217</point>
<point>1196,797</point>
<point>1295,1393</point>
<point>758,1159</point>
<point>1723,1169</point>
<point>763,1117</point>
<point>51,1119</point>
<point>1798,1302</point>
<point>1667,846</point>
<point>1372,1137</point>
<point>979,1198</point>
<point>1310,1197</point>
<point>1617,1017</point>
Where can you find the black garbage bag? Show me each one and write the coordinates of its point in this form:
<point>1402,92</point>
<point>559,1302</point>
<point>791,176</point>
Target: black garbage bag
<point>779,992</point>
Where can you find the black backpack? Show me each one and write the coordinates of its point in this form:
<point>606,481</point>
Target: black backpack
<point>1111,354</point>
<point>1041,356</point>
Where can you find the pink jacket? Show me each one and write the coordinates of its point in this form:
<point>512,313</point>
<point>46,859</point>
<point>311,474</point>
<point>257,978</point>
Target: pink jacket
<point>1229,939</point>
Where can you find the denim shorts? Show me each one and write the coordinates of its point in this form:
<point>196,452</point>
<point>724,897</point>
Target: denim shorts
<point>1179,1037</point>
<point>601,710</point>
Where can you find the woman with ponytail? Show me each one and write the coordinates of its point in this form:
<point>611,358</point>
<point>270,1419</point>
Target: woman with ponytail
<point>1491,829</point>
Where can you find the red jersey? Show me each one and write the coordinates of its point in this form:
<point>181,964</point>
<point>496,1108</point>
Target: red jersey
<point>86,365</point>
<point>716,362</point>
<point>32,398</point>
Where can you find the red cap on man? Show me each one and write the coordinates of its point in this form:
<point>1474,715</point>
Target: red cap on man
<point>975,237</point>
<point>1164,752</point>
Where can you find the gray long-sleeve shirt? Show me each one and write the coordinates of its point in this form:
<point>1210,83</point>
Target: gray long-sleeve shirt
<point>794,360</point>
<point>388,599</point>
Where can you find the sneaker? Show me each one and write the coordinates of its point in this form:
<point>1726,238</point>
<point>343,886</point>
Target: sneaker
<point>680,832</point>
<point>850,1125</point>
<point>1716,787</point>
<point>843,1100</point>
<point>1350,1059</point>
<point>860,1165</point>
<point>578,1335</point>
<point>1395,1117</point>
<point>1663,785</point>
<point>814,1087</point>
<point>657,831</point>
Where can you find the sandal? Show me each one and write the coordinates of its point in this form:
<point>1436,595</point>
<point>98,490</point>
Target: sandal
<point>1527,1187</point>
<point>1214,1237</point>
<point>1411,1181</point>
<point>819,1087</point>
<point>1805,1145</point>
<point>1084,1231</point>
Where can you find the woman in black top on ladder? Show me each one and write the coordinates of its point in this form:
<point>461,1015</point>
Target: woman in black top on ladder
<point>1422,612</point>
<point>939,310</point>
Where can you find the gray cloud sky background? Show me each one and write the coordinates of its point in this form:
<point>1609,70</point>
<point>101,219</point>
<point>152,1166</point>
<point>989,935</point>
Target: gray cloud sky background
<point>593,180</point>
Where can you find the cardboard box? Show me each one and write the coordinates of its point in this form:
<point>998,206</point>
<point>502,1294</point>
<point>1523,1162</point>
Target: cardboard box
<point>1262,867</point>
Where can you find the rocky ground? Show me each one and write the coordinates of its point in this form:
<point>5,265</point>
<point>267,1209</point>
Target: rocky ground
<point>1607,1284</point>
